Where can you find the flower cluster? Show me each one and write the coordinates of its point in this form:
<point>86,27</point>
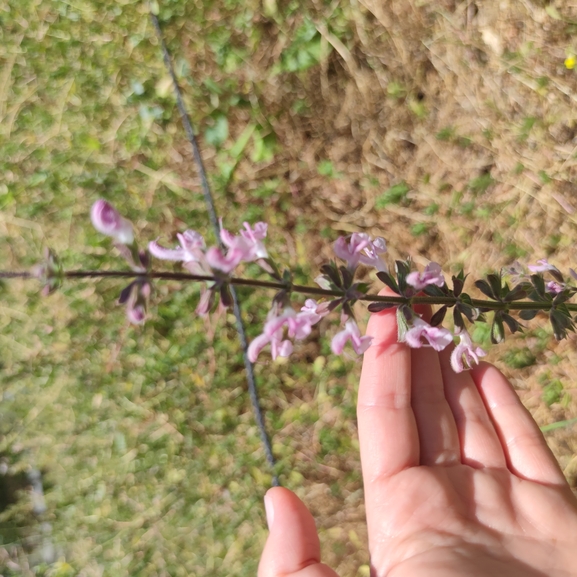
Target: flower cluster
<point>215,266</point>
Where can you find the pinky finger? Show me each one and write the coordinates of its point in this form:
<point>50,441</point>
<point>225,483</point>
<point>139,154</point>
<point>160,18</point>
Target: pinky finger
<point>527,453</point>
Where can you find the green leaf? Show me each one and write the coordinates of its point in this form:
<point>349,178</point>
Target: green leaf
<point>495,282</point>
<point>497,329</point>
<point>439,316</point>
<point>458,318</point>
<point>216,134</point>
<point>378,307</point>
<point>458,284</point>
<point>394,195</point>
<point>238,147</point>
<point>527,315</point>
<point>389,280</point>
<point>485,288</point>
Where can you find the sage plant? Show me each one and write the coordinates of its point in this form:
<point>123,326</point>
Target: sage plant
<point>337,290</point>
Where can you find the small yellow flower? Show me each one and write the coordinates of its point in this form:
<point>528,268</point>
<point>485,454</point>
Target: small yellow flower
<point>570,62</point>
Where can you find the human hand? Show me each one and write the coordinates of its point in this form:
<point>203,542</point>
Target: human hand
<point>458,478</point>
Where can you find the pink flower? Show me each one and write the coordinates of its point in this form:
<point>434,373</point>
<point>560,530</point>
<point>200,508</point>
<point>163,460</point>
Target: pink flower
<point>108,221</point>
<point>465,353</point>
<point>437,337</point>
<point>248,244</point>
<point>554,288</point>
<point>431,275</point>
<point>224,262</point>
<point>191,245</point>
<point>299,326</point>
<point>314,310</point>
<point>361,249</point>
<point>135,296</point>
<point>272,333</point>
<point>136,314</point>
<point>351,333</point>
<point>191,252</point>
<point>542,266</point>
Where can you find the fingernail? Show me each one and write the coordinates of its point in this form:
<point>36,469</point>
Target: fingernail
<point>269,508</point>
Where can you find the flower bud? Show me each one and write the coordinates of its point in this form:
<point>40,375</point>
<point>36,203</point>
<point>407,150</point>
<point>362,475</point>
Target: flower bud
<point>106,220</point>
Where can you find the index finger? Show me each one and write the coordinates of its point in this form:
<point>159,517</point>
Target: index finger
<point>388,436</point>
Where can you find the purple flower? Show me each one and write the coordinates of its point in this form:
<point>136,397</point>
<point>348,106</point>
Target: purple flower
<point>108,221</point>
<point>465,353</point>
<point>351,333</point>
<point>191,252</point>
<point>226,263</point>
<point>554,288</point>
<point>361,249</point>
<point>191,244</point>
<point>135,296</point>
<point>437,337</point>
<point>542,266</point>
<point>431,275</point>
<point>273,334</point>
<point>136,314</point>
<point>299,326</point>
<point>248,244</point>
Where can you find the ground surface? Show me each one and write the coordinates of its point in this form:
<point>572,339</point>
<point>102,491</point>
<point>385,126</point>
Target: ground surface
<point>449,128</point>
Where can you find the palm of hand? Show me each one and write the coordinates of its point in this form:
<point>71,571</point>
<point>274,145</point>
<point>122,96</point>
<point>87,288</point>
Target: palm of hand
<point>458,520</point>
<point>458,478</point>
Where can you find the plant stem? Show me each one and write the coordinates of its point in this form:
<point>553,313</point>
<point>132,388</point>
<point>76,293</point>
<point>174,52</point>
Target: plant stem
<point>307,290</point>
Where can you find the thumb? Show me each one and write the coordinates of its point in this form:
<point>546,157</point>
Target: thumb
<point>292,548</point>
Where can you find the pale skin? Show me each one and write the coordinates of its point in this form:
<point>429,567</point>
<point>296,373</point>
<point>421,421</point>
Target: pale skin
<point>458,478</point>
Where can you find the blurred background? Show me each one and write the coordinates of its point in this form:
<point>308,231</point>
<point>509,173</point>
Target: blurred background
<point>447,127</point>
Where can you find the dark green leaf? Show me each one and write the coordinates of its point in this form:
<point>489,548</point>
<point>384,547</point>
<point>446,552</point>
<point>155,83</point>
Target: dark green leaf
<point>387,279</point>
<point>517,293</point>
<point>334,304</point>
<point>562,297</point>
<point>225,296</point>
<point>438,317</point>
<point>470,312</point>
<point>126,293</point>
<point>378,307</point>
<point>458,318</point>
<point>434,291</point>
<point>347,277</point>
<point>497,329</point>
<point>485,288</point>
<point>407,312</point>
<point>458,284</point>
<point>527,315</point>
<point>331,271</point>
<point>512,323</point>
<point>403,269</point>
<point>495,282</point>
<point>361,287</point>
<point>556,274</point>
<point>347,310</point>
<point>561,323</point>
<point>538,284</point>
<point>280,298</point>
